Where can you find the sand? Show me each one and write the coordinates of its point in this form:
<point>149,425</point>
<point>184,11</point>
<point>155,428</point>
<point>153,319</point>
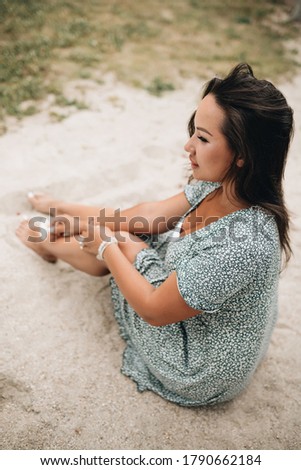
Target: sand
<point>60,380</point>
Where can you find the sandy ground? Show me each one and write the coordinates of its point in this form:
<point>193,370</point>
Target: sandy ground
<point>60,380</point>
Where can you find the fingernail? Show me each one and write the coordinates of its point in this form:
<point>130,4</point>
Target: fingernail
<point>30,194</point>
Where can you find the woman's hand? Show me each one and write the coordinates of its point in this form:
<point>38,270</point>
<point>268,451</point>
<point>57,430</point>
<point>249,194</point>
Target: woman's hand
<point>65,225</point>
<point>91,238</point>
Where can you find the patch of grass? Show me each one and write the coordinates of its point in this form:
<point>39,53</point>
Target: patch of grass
<point>43,44</point>
<point>61,100</point>
<point>57,117</point>
<point>243,19</point>
<point>84,59</point>
<point>30,110</point>
<point>84,74</point>
<point>158,86</point>
<point>232,33</point>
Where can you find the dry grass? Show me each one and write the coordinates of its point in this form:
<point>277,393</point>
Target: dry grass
<point>150,44</point>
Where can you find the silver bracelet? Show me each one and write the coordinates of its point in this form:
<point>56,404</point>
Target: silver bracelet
<point>103,246</point>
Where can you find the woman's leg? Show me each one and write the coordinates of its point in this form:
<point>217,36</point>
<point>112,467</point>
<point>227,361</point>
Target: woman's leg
<point>68,249</point>
<point>46,204</point>
<point>116,220</point>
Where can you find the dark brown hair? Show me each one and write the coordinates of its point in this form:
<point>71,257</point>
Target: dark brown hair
<point>258,127</point>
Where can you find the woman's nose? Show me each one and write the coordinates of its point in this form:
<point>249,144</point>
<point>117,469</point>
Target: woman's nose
<point>188,147</point>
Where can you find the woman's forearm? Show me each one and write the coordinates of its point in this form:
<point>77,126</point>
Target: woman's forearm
<point>135,288</point>
<point>146,217</point>
<point>136,219</point>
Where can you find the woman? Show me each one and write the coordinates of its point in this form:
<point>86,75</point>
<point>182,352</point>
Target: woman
<point>196,299</point>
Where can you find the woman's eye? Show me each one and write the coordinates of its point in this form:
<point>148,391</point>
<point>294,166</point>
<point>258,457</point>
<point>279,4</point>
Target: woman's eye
<point>202,139</point>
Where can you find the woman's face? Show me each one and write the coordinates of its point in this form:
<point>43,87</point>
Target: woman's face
<point>208,150</point>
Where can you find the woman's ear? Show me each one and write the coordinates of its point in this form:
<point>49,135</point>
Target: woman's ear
<point>240,162</point>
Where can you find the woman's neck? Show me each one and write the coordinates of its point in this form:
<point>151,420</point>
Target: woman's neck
<point>228,199</point>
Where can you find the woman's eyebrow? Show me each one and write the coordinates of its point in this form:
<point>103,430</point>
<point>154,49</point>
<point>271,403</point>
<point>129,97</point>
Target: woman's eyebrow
<point>204,130</point>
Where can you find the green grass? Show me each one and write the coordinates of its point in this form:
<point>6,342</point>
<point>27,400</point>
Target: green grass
<point>157,87</point>
<point>151,44</point>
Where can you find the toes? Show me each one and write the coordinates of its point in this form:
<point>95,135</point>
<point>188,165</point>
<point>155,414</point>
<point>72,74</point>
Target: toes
<point>34,197</point>
<point>19,232</point>
<point>32,194</point>
<point>21,228</point>
<point>23,223</point>
<point>49,258</point>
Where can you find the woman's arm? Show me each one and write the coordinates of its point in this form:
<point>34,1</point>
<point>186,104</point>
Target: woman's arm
<point>149,217</point>
<point>157,306</point>
<point>146,217</point>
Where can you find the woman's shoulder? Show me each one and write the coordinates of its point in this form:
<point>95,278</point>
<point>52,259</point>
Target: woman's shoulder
<point>246,232</point>
<point>255,222</point>
<point>249,234</point>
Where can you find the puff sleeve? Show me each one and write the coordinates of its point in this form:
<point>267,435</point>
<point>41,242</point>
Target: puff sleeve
<point>214,275</point>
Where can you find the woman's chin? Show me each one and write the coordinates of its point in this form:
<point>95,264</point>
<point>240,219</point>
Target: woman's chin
<point>197,173</point>
<point>201,176</point>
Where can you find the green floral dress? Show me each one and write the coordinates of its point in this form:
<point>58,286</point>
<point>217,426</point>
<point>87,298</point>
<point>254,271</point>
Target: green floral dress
<point>228,271</point>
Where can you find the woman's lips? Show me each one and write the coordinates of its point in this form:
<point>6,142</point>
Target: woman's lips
<point>193,164</point>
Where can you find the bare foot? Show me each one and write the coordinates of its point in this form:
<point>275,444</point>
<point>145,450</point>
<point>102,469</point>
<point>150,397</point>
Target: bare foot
<point>32,239</point>
<point>42,202</point>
